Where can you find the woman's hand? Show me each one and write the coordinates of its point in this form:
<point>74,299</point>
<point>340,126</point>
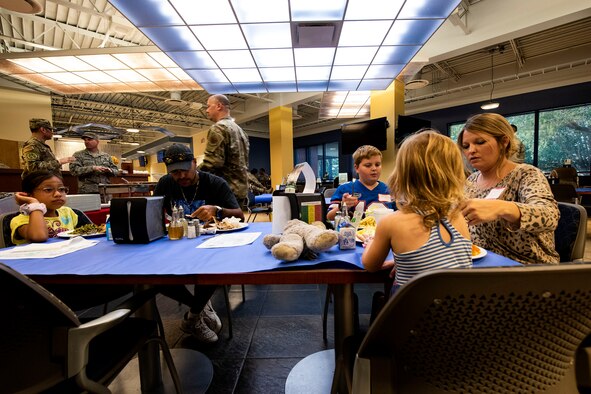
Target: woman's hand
<point>478,210</point>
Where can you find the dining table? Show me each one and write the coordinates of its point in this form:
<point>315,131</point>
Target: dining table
<point>183,262</point>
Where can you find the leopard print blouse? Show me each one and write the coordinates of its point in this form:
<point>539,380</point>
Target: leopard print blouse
<point>532,242</point>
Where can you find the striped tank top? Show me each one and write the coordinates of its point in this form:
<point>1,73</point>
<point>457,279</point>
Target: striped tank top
<point>434,254</point>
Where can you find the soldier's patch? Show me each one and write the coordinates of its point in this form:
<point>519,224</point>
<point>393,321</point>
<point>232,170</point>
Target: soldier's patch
<point>31,156</point>
<point>214,138</point>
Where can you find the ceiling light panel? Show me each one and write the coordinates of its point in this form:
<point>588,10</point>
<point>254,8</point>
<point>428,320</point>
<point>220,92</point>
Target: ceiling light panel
<point>353,36</point>
<point>119,70</point>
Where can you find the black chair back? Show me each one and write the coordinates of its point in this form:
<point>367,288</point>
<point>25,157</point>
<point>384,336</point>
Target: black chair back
<point>30,318</point>
<point>571,233</point>
<point>485,330</point>
<point>564,192</point>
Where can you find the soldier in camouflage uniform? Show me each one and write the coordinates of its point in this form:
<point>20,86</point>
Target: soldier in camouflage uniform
<point>92,166</point>
<point>226,153</point>
<point>37,155</point>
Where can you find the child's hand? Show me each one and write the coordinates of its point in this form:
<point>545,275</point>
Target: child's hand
<point>351,200</point>
<point>24,198</point>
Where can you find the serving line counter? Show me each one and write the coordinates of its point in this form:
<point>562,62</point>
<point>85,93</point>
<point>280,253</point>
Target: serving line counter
<point>180,262</point>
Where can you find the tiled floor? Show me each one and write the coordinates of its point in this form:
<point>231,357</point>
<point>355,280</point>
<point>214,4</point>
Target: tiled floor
<point>274,328</point>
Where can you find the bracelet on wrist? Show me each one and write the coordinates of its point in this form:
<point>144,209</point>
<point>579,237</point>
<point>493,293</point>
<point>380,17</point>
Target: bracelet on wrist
<point>26,209</point>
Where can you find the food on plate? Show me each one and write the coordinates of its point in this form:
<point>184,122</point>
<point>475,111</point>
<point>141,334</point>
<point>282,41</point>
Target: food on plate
<point>369,221</point>
<point>475,250</point>
<point>228,223</point>
<point>89,229</point>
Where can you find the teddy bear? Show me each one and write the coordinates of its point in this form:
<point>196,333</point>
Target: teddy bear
<point>300,239</point>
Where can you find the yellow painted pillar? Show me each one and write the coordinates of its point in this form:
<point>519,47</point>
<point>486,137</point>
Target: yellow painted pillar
<point>388,103</point>
<point>281,143</point>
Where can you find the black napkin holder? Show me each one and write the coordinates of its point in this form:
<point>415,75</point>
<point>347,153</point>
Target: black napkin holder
<point>137,220</point>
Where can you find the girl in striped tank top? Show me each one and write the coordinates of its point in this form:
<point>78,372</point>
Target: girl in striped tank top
<point>428,231</point>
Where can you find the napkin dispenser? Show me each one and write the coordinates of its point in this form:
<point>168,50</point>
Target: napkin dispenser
<point>137,220</point>
<point>308,207</point>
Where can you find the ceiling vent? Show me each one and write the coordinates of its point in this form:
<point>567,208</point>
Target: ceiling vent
<point>315,35</point>
<point>22,6</point>
<point>416,84</point>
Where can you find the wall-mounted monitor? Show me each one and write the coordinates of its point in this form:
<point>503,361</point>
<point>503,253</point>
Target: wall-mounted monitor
<point>408,125</point>
<point>143,161</point>
<point>370,132</point>
<point>160,155</point>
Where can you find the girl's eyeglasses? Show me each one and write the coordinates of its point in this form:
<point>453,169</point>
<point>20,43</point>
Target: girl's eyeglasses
<point>51,190</point>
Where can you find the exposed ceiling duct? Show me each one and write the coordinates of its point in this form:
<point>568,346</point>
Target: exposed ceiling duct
<point>22,6</point>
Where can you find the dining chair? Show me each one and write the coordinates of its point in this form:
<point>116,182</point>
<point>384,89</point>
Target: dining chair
<point>566,175</point>
<point>255,209</point>
<point>564,192</point>
<point>329,192</point>
<point>46,348</point>
<point>570,235</point>
<point>485,330</point>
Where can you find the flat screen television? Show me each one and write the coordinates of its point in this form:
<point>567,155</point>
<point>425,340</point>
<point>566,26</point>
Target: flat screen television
<point>370,132</point>
<point>408,125</point>
<point>143,161</point>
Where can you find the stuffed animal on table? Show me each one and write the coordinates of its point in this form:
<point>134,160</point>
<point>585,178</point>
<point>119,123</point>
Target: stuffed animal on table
<point>300,239</point>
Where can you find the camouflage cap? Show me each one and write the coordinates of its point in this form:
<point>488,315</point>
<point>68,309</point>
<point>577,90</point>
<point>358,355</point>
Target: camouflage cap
<point>92,136</point>
<point>35,123</point>
<point>178,157</point>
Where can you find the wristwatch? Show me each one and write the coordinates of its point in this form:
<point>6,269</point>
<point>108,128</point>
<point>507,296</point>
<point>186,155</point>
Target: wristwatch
<point>218,213</point>
<point>26,209</point>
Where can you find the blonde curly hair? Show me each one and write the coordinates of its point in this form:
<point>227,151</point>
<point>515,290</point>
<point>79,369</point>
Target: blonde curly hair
<point>428,176</point>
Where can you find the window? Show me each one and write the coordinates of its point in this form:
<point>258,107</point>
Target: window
<point>526,124</point>
<point>323,158</point>
<point>565,133</point>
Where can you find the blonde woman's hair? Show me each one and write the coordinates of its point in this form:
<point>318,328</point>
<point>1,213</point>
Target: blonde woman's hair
<point>428,176</point>
<point>365,152</point>
<point>497,127</point>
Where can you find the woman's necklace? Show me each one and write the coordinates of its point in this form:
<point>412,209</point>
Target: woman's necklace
<point>194,195</point>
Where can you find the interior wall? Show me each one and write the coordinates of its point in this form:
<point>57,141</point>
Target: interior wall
<point>16,108</point>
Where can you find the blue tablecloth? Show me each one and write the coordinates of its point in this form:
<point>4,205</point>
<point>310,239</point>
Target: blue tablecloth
<point>165,257</point>
<point>583,190</point>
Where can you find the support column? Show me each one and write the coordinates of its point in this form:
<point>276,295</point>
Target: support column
<point>281,143</point>
<point>388,103</point>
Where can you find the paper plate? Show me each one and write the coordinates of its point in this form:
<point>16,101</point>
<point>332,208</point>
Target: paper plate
<point>481,253</point>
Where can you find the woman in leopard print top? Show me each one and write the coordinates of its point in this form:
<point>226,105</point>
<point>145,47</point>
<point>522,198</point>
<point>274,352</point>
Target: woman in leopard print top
<point>510,208</point>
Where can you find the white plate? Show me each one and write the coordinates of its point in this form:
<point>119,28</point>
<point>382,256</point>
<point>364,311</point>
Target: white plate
<point>241,226</point>
<point>481,254</point>
<point>68,234</point>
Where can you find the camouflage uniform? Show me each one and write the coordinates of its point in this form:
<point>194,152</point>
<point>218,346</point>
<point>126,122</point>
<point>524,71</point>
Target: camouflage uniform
<point>255,186</point>
<point>226,155</point>
<point>38,156</point>
<point>88,179</point>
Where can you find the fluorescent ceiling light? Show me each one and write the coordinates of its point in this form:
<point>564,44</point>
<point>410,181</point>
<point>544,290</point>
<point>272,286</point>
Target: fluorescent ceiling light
<point>344,105</point>
<point>121,69</point>
<point>212,37</point>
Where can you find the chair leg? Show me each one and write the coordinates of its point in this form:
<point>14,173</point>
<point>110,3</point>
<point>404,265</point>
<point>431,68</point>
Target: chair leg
<point>243,293</point>
<point>228,311</point>
<point>327,300</point>
<point>249,215</point>
<point>170,364</point>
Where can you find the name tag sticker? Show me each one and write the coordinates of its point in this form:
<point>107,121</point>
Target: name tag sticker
<point>384,198</point>
<point>495,193</point>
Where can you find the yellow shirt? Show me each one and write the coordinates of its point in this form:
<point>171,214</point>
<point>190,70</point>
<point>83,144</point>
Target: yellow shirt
<point>65,221</point>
